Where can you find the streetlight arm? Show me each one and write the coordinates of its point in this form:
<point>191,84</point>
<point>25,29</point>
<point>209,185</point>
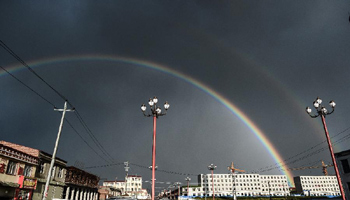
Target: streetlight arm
<point>330,112</point>
<point>147,115</point>
<point>313,116</point>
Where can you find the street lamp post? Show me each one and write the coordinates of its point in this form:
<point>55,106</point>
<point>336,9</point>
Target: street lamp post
<point>156,111</point>
<point>212,167</point>
<point>170,187</point>
<point>178,189</point>
<point>322,111</point>
<point>188,179</point>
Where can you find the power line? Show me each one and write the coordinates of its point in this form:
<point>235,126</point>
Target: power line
<point>92,136</point>
<point>143,167</point>
<point>30,69</point>
<point>279,165</point>
<point>49,102</point>
<point>88,130</point>
<point>85,140</point>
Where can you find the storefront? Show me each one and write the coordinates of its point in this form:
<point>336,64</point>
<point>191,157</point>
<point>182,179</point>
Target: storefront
<point>7,190</point>
<point>26,188</point>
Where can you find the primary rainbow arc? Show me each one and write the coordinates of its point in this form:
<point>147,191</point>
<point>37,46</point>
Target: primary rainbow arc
<point>228,104</point>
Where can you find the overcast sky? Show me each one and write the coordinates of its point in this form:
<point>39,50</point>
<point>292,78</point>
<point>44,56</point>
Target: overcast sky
<point>271,59</point>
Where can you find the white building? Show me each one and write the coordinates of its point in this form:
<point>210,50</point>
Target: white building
<point>240,185</point>
<point>317,185</point>
<point>132,185</point>
<point>343,160</point>
<point>275,185</point>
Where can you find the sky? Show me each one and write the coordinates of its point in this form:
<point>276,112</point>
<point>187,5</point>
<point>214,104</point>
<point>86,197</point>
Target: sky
<point>238,76</point>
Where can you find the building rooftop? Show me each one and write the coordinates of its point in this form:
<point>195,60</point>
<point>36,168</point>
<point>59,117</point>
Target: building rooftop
<point>21,148</point>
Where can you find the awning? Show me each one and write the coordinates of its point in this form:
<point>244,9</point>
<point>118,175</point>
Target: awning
<point>9,184</point>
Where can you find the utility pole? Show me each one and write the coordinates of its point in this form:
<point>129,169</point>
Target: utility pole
<point>126,167</point>
<point>55,149</point>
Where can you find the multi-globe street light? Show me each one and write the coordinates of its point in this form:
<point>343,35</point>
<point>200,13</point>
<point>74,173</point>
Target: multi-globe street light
<point>322,112</point>
<point>188,179</point>
<point>156,111</point>
<point>212,167</point>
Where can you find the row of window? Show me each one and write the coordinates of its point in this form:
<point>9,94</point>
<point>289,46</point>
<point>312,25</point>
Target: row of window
<point>273,177</point>
<point>238,194</point>
<point>317,178</point>
<point>13,169</point>
<point>248,184</point>
<point>275,181</point>
<point>319,182</point>
<point>245,180</point>
<point>323,189</point>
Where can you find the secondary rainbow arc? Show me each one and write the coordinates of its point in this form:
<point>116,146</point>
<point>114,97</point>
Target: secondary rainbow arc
<point>220,98</point>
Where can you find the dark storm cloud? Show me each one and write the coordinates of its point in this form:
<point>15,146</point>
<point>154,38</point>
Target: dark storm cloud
<point>270,58</point>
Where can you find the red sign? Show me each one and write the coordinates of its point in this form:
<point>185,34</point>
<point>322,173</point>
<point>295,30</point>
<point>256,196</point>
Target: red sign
<point>27,183</point>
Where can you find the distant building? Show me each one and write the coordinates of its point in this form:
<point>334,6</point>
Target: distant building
<point>131,186</point>
<point>106,192</point>
<point>343,160</point>
<point>239,184</point>
<point>317,185</point>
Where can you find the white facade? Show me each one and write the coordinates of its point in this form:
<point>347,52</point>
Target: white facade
<point>317,185</point>
<point>275,185</point>
<point>132,185</point>
<point>240,185</point>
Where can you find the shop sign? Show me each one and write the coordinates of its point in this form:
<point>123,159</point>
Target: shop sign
<point>27,183</point>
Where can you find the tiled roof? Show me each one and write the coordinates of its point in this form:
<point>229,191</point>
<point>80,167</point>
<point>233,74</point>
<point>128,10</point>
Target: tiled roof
<point>24,149</point>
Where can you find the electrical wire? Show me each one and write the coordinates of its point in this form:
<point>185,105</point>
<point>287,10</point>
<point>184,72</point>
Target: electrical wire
<point>92,136</point>
<point>30,69</point>
<point>85,141</point>
<point>143,167</point>
<point>49,102</point>
<point>87,129</point>
<point>280,165</point>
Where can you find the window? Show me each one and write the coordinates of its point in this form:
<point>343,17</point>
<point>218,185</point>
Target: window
<point>345,165</point>
<point>11,168</point>
<point>60,172</point>
<point>27,171</point>
<point>53,172</point>
<point>41,168</point>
